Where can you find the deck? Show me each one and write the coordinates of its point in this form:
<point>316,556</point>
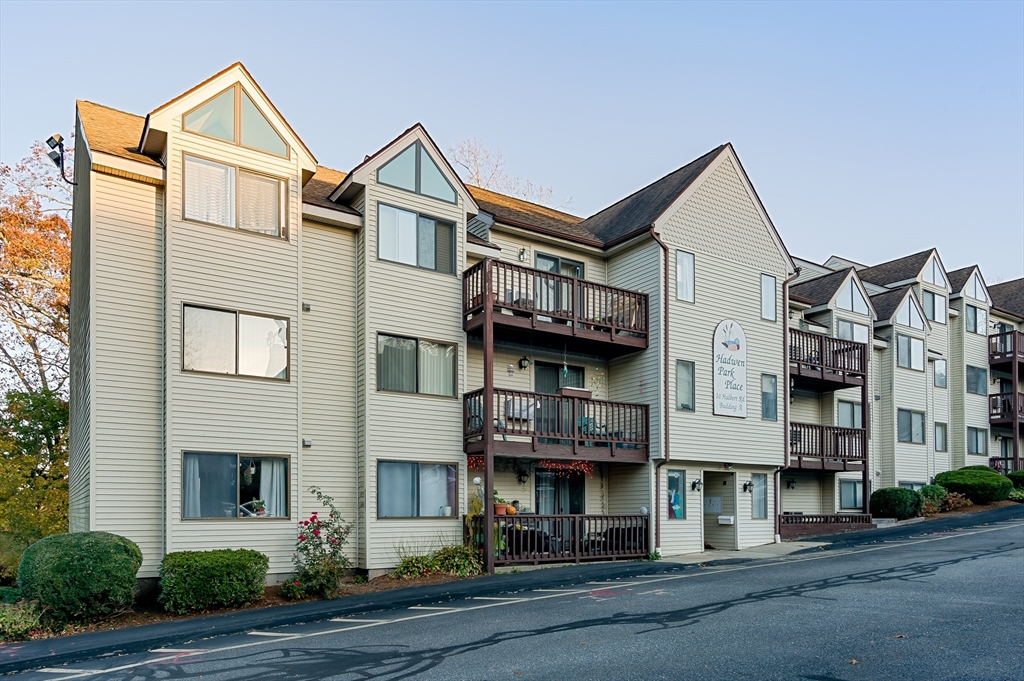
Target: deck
<point>827,448</point>
<point>535,539</point>
<point>823,363</point>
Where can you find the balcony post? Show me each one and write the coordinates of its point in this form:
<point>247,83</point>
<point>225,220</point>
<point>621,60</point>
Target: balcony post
<point>488,414</point>
<point>865,422</point>
<point>1015,372</point>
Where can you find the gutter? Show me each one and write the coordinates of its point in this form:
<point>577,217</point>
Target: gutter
<point>665,396</point>
<point>785,401</point>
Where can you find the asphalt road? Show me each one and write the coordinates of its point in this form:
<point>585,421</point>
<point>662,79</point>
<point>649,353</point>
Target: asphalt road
<point>947,605</point>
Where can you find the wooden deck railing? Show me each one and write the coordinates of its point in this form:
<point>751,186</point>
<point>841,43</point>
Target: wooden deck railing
<point>1002,405</point>
<point>1006,345</point>
<point>829,519</point>
<point>1002,464</point>
<point>829,358</point>
<point>555,298</point>
<point>563,538</point>
<point>808,440</point>
<point>557,419</point>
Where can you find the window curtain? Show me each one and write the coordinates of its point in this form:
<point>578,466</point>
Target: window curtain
<point>434,496</point>
<point>427,243</point>
<point>274,487</point>
<point>437,368</point>
<point>209,192</point>
<point>759,496</point>
<point>262,346</point>
<point>191,490</point>
<point>396,490</point>
<point>259,205</point>
<point>396,364</point>
<point>210,486</point>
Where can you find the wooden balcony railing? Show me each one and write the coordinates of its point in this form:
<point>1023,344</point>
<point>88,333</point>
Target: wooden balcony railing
<point>1006,345</point>
<point>563,538</point>
<point>827,447</point>
<point>1002,406</point>
<point>546,424</point>
<point>1004,465</point>
<point>815,355</point>
<point>796,526</point>
<point>543,300</point>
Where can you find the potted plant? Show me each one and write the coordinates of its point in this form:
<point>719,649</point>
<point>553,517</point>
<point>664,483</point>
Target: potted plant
<point>259,507</point>
<point>500,505</point>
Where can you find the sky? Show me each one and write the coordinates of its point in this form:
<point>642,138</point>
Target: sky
<point>869,130</point>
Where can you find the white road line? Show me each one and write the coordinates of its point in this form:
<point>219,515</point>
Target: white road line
<point>179,650</point>
<point>271,633</point>
<point>54,670</point>
<point>498,598</point>
<point>432,607</point>
<point>552,593</point>
<point>355,621</point>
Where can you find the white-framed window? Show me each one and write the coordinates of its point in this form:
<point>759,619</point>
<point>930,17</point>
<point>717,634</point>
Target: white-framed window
<point>977,440</point>
<point>851,299</point>
<point>850,415</point>
<point>909,316</point>
<point>415,171</point>
<point>851,494</point>
<point>410,489</point>
<point>933,273</point>
<point>975,288</point>
<point>228,196</point>
<point>685,393</point>
<point>977,380</point>
<point>684,276</point>
<point>939,368</point>
<point>676,494</point>
<point>916,486</point>
<point>910,426</point>
<point>227,342</point>
<point>218,485</point>
<point>769,397</point>
<point>847,330</point>
<point>934,306</point>
<point>412,365</point>
<point>412,239</point>
<point>759,495</point>
<point>909,352</point>
<point>768,298</point>
<point>976,319</point>
<point>232,116</point>
<point>941,437</point>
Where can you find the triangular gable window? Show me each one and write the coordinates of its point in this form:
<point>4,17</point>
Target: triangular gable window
<point>909,316</point>
<point>975,288</point>
<point>933,273</point>
<point>850,298</point>
<point>232,116</point>
<point>415,171</point>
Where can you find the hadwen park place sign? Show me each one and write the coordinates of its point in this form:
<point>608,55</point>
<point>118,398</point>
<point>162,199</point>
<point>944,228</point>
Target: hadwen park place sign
<point>730,354</point>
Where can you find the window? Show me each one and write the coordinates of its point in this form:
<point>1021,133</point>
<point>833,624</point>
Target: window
<point>977,320</point>
<point>415,171</point>
<point>977,380</point>
<point>850,415</point>
<point>234,486</point>
<point>977,441</point>
<point>409,365</point>
<point>909,316</point>
<point>850,298</point>
<point>847,330</point>
<point>416,240</point>
<point>941,441</point>
<point>233,117</point>
<point>940,373</point>
<point>684,386</point>
<point>224,195</point>
<point>910,352</point>
<point>933,273</point>
<point>851,494</point>
<point>234,343</point>
<point>416,490</point>
<point>916,486</point>
<point>676,494</point>
<point>684,276</point>
<point>768,306</point>
<point>769,397</point>
<point>759,495</point>
<point>910,426</point>
<point>934,307</point>
<point>975,288</point>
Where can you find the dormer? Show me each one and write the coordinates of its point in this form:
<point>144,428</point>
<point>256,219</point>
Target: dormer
<point>975,288</point>
<point>853,297</point>
<point>934,273</point>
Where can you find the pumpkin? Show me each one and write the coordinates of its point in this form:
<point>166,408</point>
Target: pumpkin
<point>511,510</point>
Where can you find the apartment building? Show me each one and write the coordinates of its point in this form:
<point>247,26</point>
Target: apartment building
<point>1006,362</point>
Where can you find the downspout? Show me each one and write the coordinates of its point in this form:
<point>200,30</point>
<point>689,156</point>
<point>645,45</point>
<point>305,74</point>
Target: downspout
<point>665,396</point>
<point>785,401</point>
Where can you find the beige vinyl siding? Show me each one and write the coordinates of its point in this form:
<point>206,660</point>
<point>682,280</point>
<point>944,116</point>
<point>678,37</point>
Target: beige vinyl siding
<point>911,391</point>
<point>413,302</point>
<point>328,387</point>
<point>595,370</point>
<point>362,388</point>
<point>127,371</point>
<point>594,267</point>
<point>752,531</point>
<point>885,424</point>
<point>976,406</point>
<point>681,535</point>
<point>938,399</point>
<point>806,406</point>
<point>236,270</point>
<point>80,445</point>
<point>807,494</point>
<point>956,381</point>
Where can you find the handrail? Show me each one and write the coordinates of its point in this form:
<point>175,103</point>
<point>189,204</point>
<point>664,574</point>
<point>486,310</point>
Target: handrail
<point>824,519</point>
<point>1006,344</point>
<point>1002,405</point>
<point>529,538</point>
<point>826,354</point>
<point>810,440</point>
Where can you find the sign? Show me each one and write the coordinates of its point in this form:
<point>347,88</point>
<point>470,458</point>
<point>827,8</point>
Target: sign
<point>730,354</point>
<point>712,505</point>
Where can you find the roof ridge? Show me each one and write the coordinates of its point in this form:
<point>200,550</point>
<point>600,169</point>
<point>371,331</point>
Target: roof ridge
<point>902,257</point>
<point>110,108</point>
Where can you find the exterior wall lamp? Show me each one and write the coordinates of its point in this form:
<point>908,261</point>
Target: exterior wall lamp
<point>525,362</point>
<point>697,485</point>
<point>748,487</point>
<point>523,476</point>
<point>522,254</point>
<point>791,484</point>
<point>511,370</point>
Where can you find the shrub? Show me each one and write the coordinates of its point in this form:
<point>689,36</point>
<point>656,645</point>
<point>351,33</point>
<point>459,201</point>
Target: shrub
<point>320,560</point>
<point>203,580</point>
<point>933,493</point>
<point>896,502</point>
<point>930,507</point>
<point>954,501</point>
<point>416,566</point>
<point>1016,495</point>
<point>981,487</point>
<point>80,577</point>
<point>18,620</point>
<point>9,594</point>
<point>1017,478</point>
<point>461,561</point>
<point>978,467</point>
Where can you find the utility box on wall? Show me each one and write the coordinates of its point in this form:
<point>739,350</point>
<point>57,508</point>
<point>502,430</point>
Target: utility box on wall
<point>726,520</point>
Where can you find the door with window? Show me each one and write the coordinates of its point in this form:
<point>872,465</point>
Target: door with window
<point>559,494</point>
<point>555,415</point>
<point>553,294</point>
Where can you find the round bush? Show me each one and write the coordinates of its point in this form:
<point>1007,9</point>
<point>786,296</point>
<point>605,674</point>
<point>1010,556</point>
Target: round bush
<point>80,577</point>
<point>979,467</point>
<point>896,502</point>
<point>1017,478</point>
<point>933,493</point>
<point>202,580</point>
<point>980,486</point>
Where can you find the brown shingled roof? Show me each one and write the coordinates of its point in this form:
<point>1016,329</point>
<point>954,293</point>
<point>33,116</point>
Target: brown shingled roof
<point>885,304</point>
<point>519,213</point>
<point>900,269</point>
<point>1009,296</point>
<point>321,185</point>
<point>819,291</point>
<point>958,278</point>
<point>113,132</point>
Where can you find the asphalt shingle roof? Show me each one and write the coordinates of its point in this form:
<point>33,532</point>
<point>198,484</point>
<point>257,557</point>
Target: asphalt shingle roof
<point>819,291</point>
<point>1009,296</point>
<point>885,304</point>
<point>519,213</point>
<point>113,132</point>
<point>901,269</point>
<point>957,278</point>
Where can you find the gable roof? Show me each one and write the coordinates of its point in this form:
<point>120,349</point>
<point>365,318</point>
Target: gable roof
<point>958,278</point>
<point>1008,296</point>
<point>886,304</point>
<point>320,187</point>
<point>519,213</point>
<point>113,132</point>
<point>901,269</point>
<point>638,211</point>
<point>820,291</point>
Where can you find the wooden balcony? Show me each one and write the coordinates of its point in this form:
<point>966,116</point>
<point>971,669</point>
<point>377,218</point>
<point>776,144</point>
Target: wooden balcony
<point>1005,408</point>
<point>535,539</point>
<point>563,427</point>
<point>794,526</point>
<point>1006,347</point>
<point>827,448</point>
<point>1002,464</point>
<point>824,363</point>
<point>547,309</point>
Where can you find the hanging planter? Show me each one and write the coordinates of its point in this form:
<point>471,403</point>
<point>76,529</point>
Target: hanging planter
<point>564,469</point>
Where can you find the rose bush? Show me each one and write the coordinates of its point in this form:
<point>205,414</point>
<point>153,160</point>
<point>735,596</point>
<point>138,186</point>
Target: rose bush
<point>319,557</point>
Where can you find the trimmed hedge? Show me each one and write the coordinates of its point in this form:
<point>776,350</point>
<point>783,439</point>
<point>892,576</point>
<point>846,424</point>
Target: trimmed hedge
<point>978,467</point>
<point>80,577</point>
<point>9,594</point>
<point>204,580</point>
<point>933,493</point>
<point>896,502</point>
<point>981,487</point>
<point>1017,478</point>
<point>18,620</point>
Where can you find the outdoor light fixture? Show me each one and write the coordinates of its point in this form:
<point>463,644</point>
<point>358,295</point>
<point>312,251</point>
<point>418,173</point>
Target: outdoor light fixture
<point>697,485</point>
<point>748,487</point>
<point>511,370</point>
<point>56,154</point>
<point>728,466</point>
<point>522,254</point>
<point>522,476</point>
<point>791,484</point>
<point>525,362</point>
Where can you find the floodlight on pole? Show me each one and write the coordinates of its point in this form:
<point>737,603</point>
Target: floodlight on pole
<point>56,154</point>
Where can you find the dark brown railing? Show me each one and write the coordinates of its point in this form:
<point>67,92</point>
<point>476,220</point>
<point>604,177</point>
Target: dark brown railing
<point>830,357</point>
<point>833,519</point>
<point>553,297</point>
<point>1002,405</point>
<point>1001,464</point>
<point>808,440</point>
<point>558,419</point>
<point>1005,345</point>
<point>563,538</point>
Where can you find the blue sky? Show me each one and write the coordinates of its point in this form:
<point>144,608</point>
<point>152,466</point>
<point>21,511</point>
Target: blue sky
<point>870,130</point>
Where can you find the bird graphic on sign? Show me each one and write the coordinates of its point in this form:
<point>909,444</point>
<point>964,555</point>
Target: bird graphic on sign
<point>732,344</point>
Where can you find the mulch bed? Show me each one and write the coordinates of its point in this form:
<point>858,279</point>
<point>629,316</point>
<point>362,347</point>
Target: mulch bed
<point>976,508</point>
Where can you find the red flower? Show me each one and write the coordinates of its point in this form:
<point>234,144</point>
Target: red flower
<point>316,533</point>
<point>302,537</point>
<point>296,582</point>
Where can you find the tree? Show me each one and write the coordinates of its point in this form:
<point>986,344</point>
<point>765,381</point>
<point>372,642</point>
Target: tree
<point>484,168</point>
